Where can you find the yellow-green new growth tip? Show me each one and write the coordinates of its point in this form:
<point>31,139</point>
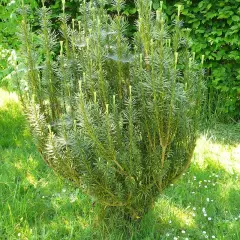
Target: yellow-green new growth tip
<point>114,100</point>
<point>202,60</point>
<point>176,58</point>
<point>107,108</point>
<point>63,6</point>
<point>179,10</point>
<point>161,5</point>
<point>73,23</point>
<point>75,125</point>
<point>61,48</point>
<point>95,97</point>
<point>80,86</point>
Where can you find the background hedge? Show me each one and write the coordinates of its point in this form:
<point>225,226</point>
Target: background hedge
<point>216,33</point>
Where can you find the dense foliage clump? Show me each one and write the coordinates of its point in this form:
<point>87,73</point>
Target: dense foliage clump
<point>119,119</point>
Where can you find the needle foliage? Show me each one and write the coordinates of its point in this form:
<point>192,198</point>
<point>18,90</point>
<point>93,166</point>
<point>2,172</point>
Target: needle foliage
<point>119,118</point>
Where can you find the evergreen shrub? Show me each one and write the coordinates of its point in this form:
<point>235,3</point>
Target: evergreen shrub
<point>117,118</point>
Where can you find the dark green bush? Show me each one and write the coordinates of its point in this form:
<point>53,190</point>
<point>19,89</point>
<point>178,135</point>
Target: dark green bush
<point>216,32</point>
<point>120,120</point>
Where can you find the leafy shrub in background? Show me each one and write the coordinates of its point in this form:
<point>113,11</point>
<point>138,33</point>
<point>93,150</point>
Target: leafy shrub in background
<point>9,23</point>
<point>7,63</point>
<point>9,42</point>
<point>10,20</point>
<point>120,121</point>
<point>216,32</point>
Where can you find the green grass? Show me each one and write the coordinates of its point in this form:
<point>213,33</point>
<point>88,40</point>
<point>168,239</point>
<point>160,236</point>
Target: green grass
<point>36,204</point>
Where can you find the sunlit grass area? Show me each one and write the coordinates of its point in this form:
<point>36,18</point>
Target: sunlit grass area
<point>36,204</point>
<point>6,98</point>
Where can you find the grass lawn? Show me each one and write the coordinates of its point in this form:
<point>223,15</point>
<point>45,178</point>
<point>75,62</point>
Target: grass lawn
<point>36,204</point>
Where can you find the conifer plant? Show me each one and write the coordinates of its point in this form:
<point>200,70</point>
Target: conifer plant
<point>117,117</point>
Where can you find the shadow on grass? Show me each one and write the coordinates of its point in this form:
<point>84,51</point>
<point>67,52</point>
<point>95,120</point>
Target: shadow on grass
<point>12,124</point>
<point>224,133</point>
<point>36,204</point>
<point>208,200</point>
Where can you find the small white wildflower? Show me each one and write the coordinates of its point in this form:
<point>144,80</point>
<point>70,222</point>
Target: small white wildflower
<point>209,218</point>
<point>213,236</point>
<point>208,199</point>
<point>205,180</point>
<point>211,200</point>
<point>183,231</point>
<point>43,196</point>
<point>194,209</point>
<point>73,198</point>
<point>213,184</point>
<point>236,218</point>
<point>204,232</point>
<point>216,176</point>
<point>206,236</point>
<point>205,186</point>
<point>193,214</point>
<point>209,180</point>
<point>175,238</point>
<point>170,221</point>
<point>171,184</point>
<point>167,234</point>
<point>19,234</point>
<point>64,190</point>
<point>204,209</point>
<point>186,238</point>
<point>184,174</point>
<point>11,2</point>
<point>193,192</point>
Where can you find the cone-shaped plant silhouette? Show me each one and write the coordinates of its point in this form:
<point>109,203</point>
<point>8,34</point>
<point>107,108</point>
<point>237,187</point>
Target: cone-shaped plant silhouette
<point>118,118</point>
